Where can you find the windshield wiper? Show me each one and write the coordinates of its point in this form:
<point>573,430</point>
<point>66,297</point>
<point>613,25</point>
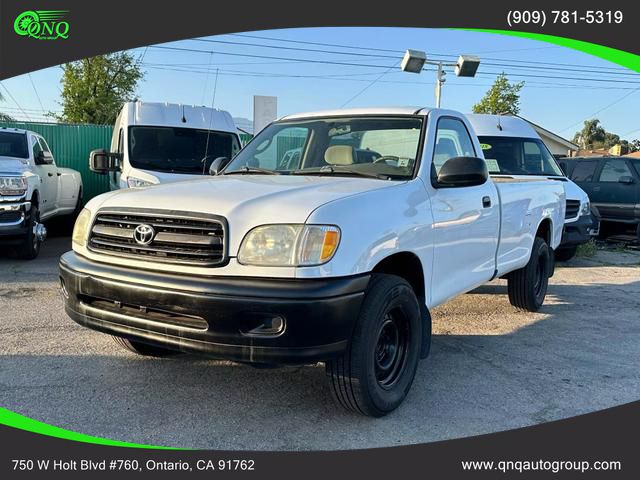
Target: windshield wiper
<point>331,169</point>
<point>248,170</point>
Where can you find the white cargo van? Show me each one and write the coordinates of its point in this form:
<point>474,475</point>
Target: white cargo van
<point>166,142</point>
<point>511,148</point>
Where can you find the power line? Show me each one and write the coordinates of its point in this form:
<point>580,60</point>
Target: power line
<point>369,85</point>
<point>36,92</point>
<point>501,63</point>
<point>604,108</point>
<point>397,52</point>
<point>330,62</point>
<point>349,77</point>
<point>14,100</point>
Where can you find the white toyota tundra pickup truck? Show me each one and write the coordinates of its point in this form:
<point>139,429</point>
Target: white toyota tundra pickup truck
<point>32,189</point>
<point>328,238</point>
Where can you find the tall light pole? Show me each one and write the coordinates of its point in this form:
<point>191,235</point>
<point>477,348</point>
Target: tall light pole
<point>415,60</point>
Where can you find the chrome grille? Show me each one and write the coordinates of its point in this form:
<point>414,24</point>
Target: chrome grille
<point>572,208</point>
<point>176,237</point>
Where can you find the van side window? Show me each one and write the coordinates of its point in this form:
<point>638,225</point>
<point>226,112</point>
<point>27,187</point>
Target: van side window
<point>613,170</point>
<point>584,170</point>
<point>452,140</point>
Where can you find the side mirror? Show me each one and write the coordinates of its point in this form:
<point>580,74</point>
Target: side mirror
<point>43,158</point>
<point>103,162</point>
<point>463,172</point>
<point>626,179</point>
<point>218,164</point>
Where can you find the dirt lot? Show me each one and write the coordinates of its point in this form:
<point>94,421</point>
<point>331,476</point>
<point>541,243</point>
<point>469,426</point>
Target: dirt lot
<point>491,369</point>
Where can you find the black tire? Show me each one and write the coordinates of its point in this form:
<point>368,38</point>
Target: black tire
<point>143,348</point>
<point>527,286</point>
<point>564,254</point>
<point>373,376</point>
<point>30,248</point>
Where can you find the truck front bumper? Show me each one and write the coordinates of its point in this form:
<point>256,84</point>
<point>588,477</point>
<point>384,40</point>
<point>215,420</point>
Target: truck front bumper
<point>578,232</point>
<point>254,320</point>
<point>14,212</point>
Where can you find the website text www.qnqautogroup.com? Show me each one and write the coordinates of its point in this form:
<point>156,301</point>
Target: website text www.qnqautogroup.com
<point>540,465</point>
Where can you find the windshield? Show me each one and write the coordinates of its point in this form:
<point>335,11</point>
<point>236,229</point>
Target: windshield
<point>180,150</point>
<point>518,156</point>
<point>384,147</point>
<point>13,145</point>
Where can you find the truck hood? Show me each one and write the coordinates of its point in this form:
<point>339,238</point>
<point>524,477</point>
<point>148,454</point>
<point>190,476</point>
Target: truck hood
<point>156,177</point>
<point>245,201</point>
<point>12,165</point>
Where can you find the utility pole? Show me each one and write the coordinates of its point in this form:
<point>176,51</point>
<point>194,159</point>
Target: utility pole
<point>440,79</point>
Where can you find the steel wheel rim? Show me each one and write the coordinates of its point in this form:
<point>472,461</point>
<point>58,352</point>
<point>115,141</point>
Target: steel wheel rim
<point>390,355</point>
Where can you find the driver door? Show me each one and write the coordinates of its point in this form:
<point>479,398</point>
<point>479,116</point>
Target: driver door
<point>48,174</point>
<point>466,220</point>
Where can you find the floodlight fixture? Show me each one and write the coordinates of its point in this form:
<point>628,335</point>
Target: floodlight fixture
<point>467,66</point>
<point>413,61</point>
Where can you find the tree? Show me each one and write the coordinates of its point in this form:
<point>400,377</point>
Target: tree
<point>593,136</point>
<point>502,98</point>
<point>94,89</point>
<point>3,116</point>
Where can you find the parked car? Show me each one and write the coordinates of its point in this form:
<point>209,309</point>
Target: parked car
<point>513,148</point>
<point>164,142</point>
<point>32,189</point>
<point>612,183</point>
<point>333,259</point>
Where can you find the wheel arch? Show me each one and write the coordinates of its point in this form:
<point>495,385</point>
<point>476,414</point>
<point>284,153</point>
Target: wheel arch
<point>407,265</point>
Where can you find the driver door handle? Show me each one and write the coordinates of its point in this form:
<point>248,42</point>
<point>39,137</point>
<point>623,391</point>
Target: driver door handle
<point>486,202</point>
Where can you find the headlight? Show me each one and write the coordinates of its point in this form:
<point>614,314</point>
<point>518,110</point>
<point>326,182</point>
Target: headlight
<point>289,245</point>
<point>81,228</point>
<point>134,182</point>
<point>585,209</point>
<point>13,185</point>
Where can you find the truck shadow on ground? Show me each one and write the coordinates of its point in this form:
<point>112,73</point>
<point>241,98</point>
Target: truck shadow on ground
<point>579,354</point>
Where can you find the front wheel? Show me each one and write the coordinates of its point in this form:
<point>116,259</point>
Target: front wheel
<point>373,376</point>
<point>30,248</point>
<point>527,286</point>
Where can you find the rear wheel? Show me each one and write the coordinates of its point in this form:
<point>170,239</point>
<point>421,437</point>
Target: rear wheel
<point>143,348</point>
<point>373,376</point>
<point>30,247</point>
<point>527,286</point>
<point>564,254</point>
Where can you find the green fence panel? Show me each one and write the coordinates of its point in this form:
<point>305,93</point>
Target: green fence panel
<point>70,145</point>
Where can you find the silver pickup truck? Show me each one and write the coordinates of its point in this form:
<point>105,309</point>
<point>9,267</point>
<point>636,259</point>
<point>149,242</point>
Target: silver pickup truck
<point>32,189</point>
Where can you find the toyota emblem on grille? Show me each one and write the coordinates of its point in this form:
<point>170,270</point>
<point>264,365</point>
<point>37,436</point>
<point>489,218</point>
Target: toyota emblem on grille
<point>143,234</point>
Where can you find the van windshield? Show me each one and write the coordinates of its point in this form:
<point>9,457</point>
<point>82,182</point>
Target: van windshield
<point>376,147</point>
<point>178,150</point>
<point>13,145</point>
<point>518,156</point>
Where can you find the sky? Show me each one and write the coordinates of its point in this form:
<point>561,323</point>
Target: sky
<point>321,68</point>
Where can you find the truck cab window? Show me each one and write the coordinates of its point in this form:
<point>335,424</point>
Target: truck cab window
<point>35,146</point>
<point>452,140</point>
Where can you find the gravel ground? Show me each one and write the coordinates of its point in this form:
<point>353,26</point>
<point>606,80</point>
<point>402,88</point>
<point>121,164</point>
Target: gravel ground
<point>490,369</point>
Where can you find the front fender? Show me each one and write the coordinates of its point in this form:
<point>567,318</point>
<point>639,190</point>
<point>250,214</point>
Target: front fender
<point>375,225</point>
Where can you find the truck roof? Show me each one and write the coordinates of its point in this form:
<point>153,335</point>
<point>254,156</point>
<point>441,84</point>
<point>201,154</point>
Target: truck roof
<point>178,115</point>
<point>501,126</point>
<point>16,130</point>
<point>410,110</point>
